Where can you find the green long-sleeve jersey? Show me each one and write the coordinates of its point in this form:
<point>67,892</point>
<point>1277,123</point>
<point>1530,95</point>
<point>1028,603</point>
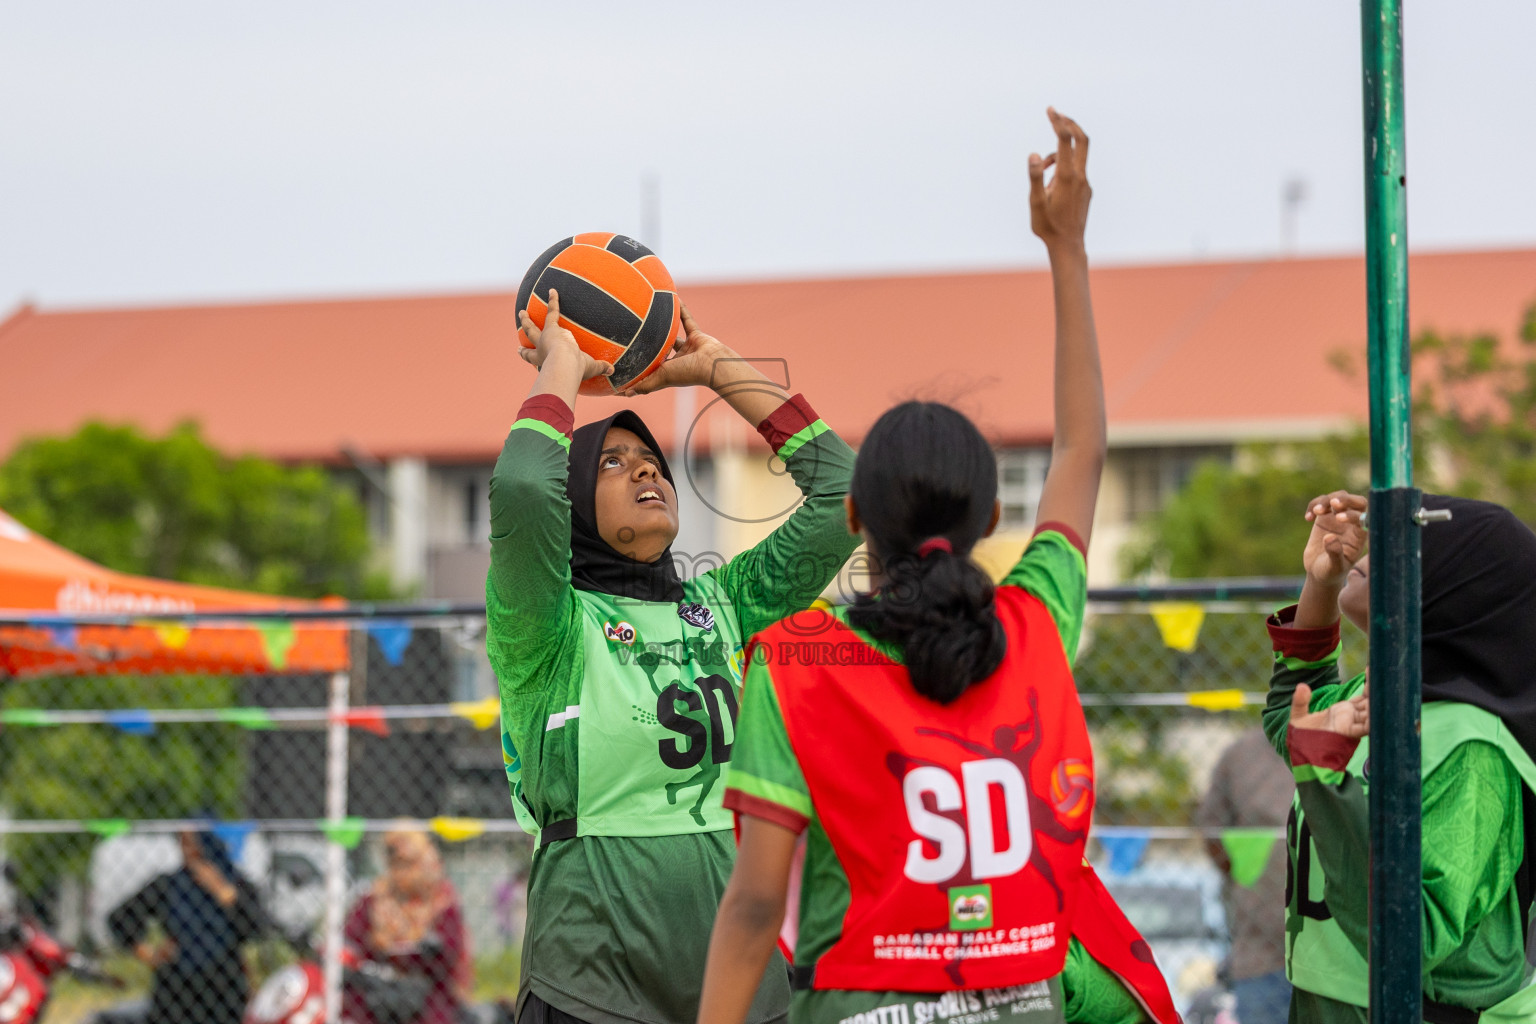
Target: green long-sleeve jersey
<point>618,718</point>
<point>1474,932</point>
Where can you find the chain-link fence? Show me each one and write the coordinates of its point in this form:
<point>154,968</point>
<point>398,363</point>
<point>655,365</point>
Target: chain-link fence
<point>202,833</point>
<point>204,805</point>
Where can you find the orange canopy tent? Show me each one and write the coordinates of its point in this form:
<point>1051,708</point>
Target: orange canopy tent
<point>44,586</point>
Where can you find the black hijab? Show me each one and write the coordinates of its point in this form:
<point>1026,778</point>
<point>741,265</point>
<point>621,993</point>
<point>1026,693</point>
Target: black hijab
<point>595,565</point>
<point>1479,630</point>
<point>1479,612</point>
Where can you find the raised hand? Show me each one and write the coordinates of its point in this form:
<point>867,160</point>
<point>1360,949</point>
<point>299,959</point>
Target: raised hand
<point>1350,718</point>
<point>692,363</point>
<point>554,338</point>
<point>1337,540</point>
<point>1058,212</point>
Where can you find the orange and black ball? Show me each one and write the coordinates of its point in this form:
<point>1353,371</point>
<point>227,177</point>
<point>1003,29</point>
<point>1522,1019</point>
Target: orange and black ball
<point>616,298</point>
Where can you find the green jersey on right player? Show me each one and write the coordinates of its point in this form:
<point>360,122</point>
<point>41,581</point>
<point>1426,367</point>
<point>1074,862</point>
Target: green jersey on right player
<point>1478,778</point>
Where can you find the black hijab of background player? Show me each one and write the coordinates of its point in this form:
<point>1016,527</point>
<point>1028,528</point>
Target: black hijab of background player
<point>1479,612</point>
<point>595,565</point>
<point>926,472</point>
<point>1479,629</point>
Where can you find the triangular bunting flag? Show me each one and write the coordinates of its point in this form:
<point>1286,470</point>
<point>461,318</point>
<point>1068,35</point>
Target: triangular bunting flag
<point>233,834</point>
<point>26,716</point>
<point>1179,623</point>
<point>1125,850</point>
<point>1216,700</point>
<point>66,636</point>
<point>482,713</point>
<point>246,718</point>
<point>276,640</point>
<point>346,831</point>
<point>172,634</point>
<point>456,830</point>
<point>107,828</point>
<point>135,722</point>
<point>393,637</point>
<point>369,719</point>
<point>1248,849</point>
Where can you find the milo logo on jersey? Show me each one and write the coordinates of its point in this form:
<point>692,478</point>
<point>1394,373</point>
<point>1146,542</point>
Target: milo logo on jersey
<point>970,907</point>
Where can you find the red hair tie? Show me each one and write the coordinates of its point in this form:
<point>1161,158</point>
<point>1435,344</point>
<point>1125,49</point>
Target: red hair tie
<point>933,544</point>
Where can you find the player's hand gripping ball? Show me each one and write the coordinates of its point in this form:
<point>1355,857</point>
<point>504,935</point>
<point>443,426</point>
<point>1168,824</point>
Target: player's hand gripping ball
<point>616,298</point>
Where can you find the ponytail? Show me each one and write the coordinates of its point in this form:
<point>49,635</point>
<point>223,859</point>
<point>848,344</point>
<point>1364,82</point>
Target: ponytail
<point>925,485</point>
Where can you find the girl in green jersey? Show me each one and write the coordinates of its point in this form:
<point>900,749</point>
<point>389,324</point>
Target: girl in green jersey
<point>619,679</point>
<point>1478,730</point>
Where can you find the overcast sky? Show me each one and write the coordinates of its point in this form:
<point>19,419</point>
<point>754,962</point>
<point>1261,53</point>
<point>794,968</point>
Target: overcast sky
<point>156,152</point>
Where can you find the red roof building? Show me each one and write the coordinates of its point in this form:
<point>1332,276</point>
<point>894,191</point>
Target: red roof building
<point>1196,357</point>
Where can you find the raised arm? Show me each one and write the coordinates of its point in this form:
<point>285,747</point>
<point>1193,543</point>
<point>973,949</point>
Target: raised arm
<point>1058,213</point>
<point>528,593</point>
<point>788,569</point>
<point>1306,635</point>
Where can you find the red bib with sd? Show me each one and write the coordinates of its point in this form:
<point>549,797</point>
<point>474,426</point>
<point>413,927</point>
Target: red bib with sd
<point>961,827</point>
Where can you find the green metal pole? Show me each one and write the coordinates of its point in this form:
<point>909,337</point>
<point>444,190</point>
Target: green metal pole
<point>1395,806</point>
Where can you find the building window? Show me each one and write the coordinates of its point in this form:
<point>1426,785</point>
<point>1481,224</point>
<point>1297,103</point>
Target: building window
<point>1154,475</point>
<point>1020,478</point>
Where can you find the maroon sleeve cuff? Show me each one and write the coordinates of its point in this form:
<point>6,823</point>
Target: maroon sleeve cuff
<point>1320,748</point>
<point>551,410</point>
<point>757,807</point>
<point>786,421</point>
<point>1302,644</point>
<point>1067,532</point>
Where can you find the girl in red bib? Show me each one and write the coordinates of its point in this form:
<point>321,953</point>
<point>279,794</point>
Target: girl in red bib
<point>912,775</point>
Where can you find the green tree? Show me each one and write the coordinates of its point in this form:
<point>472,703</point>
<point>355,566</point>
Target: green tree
<point>1474,425</point>
<point>176,508</point>
<point>1245,518</point>
<point>97,772</point>
<point>1474,434</point>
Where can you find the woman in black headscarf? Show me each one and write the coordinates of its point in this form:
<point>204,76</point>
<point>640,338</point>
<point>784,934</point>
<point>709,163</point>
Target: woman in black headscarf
<point>1478,731</point>
<point>206,911</point>
<point>619,678</point>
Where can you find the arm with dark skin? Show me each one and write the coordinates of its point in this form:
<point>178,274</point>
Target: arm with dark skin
<point>1059,215</point>
<point>1333,549</point>
<point>785,571</point>
<point>748,921</point>
<point>531,607</point>
<point>1332,555</point>
<point>702,360</point>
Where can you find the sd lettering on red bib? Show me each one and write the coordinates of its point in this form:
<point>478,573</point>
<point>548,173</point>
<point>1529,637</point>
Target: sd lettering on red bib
<point>960,827</point>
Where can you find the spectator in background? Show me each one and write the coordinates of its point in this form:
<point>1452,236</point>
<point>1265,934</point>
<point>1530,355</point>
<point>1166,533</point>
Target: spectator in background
<point>206,910</point>
<point>1251,788</point>
<point>411,920</point>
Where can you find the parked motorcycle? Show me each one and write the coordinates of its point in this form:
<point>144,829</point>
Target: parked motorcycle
<point>296,994</point>
<point>29,959</point>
